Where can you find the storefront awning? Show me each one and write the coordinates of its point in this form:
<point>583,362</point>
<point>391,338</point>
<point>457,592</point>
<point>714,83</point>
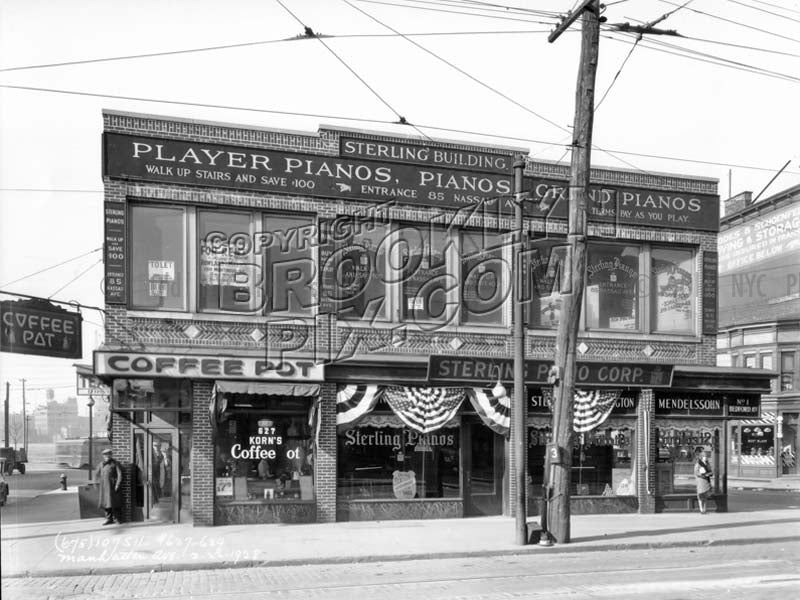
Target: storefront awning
<point>767,418</point>
<point>266,388</point>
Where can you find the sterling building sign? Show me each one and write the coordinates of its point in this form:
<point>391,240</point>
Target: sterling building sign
<point>405,173</point>
<point>41,328</point>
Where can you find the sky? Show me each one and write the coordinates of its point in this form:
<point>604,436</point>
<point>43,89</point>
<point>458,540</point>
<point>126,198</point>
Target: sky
<point>721,101</point>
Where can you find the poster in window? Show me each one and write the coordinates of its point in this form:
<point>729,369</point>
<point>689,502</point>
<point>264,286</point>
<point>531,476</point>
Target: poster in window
<point>224,486</point>
<point>673,290</point>
<point>161,270</point>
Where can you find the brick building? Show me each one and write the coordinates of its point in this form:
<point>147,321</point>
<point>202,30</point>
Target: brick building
<point>316,327</point>
<point>759,313</point>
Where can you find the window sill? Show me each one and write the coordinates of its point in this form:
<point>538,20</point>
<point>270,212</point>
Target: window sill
<point>189,317</point>
<point>259,501</point>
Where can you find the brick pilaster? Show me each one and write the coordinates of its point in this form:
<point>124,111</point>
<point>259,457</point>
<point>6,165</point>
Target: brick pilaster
<point>122,446</point>
<point>325,457</point>
<point>202,455</point>
<point>646,452</point>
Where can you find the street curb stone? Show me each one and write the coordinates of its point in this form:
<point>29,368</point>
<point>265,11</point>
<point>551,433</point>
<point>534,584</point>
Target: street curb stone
<point>530,549</point>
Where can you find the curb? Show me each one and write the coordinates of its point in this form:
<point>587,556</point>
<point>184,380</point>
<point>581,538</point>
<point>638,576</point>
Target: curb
<point>295,562</point>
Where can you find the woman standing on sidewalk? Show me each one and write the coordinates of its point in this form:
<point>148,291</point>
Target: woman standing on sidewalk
<point>702,475</point>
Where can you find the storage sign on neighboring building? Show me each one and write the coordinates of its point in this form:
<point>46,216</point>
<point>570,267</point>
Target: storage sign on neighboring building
<point>759,276</point>
<point>39,327</point>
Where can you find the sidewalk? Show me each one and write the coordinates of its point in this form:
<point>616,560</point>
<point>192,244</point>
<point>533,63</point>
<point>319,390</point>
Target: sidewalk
<point>80,547</point>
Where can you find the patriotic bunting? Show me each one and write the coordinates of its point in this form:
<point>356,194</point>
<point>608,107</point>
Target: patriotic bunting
<point>422,408</point>
<point>353,402</point>
<point>589,408</point>
<point>493,407</point>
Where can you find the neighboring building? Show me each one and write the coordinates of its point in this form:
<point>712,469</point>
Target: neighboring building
<point>56,420</point>
<point>311,327</point>
<point>759,312</point>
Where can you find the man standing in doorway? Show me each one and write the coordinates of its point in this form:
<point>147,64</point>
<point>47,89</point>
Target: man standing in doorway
<point>109,476</point>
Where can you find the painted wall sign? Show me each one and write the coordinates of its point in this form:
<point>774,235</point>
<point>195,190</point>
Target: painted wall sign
<point>114,253</point>
<point>689,404</point>
<point>440,184</point>
<point>744,406</point>
<point>710,298</point>
<point>418,154</point>
<point>626,205</point>
<point>40,328</point>
<point>126,364</point>
<point>487,371</point>
<point>758,275</point>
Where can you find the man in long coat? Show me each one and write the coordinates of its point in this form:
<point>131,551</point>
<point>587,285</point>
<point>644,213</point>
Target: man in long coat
<point>109,476</point>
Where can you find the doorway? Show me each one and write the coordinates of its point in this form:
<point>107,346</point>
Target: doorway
<point>483,470</point>
<point>158,491</point>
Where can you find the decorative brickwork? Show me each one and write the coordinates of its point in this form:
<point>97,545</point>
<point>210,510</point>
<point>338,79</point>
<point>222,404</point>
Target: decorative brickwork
<point>646,452</point>
<point>202,455</point>
<point>325,457</point>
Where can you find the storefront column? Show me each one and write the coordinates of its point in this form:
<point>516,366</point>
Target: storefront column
<point>122,446</point>
<point>202,455</point>
<point>325,456</point>
<point>646,452</point>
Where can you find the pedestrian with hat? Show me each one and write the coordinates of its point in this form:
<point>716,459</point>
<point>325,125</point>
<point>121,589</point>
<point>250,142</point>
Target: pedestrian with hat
<point>109,476</point>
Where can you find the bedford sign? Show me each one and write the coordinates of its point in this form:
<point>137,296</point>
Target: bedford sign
<point>41,328</point>
<point>128,364</point>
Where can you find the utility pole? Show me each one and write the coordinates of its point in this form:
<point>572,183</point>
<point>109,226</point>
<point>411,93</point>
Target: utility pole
<point>558,461</point>
<point>24,420</point>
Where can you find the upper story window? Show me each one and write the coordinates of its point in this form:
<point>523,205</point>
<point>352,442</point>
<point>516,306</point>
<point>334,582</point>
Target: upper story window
<point>673,291</point>
<point>158,258</point>
<point>631,287</point>
<point>421,262</point>
<point>612,287</point>
<point>484,278</point>
<point>243,262</point>
<point>787,371</point>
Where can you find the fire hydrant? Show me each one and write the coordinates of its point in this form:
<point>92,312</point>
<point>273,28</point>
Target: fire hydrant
<point>63,480</point>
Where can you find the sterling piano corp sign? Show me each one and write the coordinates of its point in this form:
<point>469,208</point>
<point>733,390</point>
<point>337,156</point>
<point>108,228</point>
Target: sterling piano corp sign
<point>404,173</point>
<point>480,371</point>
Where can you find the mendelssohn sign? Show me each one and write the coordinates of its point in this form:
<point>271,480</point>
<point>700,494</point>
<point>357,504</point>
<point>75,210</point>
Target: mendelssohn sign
<point>41,328</point>
<point>401,173</point>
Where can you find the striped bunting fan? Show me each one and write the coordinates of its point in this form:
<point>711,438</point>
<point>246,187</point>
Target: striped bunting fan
<point>353,402</point>
<point>424,409</point>
<point>493,407</point>
<point>590,408</point>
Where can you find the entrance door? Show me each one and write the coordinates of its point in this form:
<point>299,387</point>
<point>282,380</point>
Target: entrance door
<point>162,466</point>
<point>483,470</point>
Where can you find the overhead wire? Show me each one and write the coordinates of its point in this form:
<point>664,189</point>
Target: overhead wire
<point>763,10</point>
<point>50,268</point>
<point>706,57</point>
<point>309,32</point>
<point>78,276</point>
<point>456,12</point>
<point>786,8</point>
<point>732,22</point>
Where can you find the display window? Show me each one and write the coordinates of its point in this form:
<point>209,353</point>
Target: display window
<point>677,447</point>
<point>753,444</point>
<point>603,461</point>
<point>264,456</point>
<point>381,459</point>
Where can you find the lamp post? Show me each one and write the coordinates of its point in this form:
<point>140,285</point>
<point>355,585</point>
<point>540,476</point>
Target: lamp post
<point>518,404</point>
<point>90,404</point>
